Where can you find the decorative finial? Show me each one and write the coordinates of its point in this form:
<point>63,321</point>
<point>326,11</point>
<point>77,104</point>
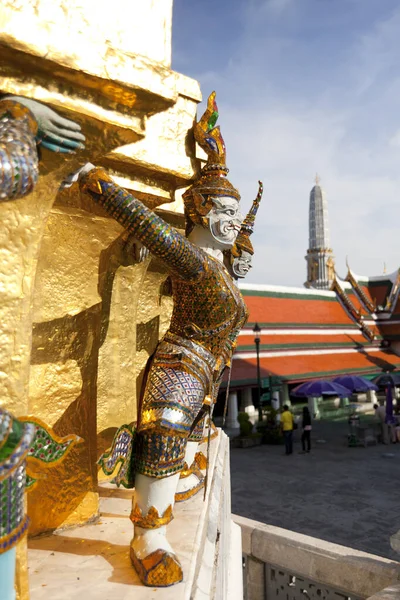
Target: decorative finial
<point>317,179</point>
<point>209,137</point>
<point>243,242</point>
<point>347,263</point>
<point>384,268</point>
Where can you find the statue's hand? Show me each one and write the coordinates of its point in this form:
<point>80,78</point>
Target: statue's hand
<point>141,252</point>
<point>54,132</point>
<point>73,177</point>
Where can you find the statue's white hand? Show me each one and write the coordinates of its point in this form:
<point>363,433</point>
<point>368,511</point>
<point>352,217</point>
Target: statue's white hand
<point>141,252</point>
<point>54,132</point>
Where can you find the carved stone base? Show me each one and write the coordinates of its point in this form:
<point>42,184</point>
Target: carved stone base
<point>94,562</point>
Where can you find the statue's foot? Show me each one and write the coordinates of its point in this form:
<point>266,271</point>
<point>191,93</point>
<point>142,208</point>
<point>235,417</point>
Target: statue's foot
<point>190,485</point>
<point>158,569</point>
<point>153,558</point>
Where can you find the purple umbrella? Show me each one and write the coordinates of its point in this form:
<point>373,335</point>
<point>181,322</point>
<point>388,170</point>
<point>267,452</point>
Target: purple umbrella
<point>385,379</point>
<point>320,387</point>
<point>356,384</point>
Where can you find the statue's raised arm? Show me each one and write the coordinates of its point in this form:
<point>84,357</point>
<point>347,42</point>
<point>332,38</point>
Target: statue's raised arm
<point>181,257</point>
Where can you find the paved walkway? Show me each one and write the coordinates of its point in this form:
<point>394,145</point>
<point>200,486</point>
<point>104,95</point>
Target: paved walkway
<point>349,496</point>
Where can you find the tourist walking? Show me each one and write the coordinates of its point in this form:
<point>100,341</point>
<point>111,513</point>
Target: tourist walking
<point>287,428</point>
<point>306,426</point>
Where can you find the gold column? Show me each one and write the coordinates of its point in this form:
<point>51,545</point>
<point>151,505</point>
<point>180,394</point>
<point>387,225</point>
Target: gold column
<point>78,315</point>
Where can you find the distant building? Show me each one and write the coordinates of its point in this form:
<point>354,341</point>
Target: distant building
<point>320,260</point>
<point>335,327</point>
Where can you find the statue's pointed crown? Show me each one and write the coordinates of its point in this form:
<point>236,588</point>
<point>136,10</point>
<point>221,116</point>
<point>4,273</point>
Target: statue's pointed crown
<point>213,177</point>
<point>243,243</point>
<point>210,139</point>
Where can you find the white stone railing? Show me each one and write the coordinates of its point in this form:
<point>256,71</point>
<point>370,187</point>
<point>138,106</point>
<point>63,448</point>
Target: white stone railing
<point>284,565</point>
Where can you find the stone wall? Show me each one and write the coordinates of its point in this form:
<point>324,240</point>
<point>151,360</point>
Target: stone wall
<point>289,565</point>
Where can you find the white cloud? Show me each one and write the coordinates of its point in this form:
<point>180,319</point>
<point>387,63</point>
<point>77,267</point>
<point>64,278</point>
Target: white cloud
<point>395,139</point>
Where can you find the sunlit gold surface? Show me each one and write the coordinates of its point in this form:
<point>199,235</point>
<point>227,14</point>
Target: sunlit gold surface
<point>201,460</point>
<point>86,37</point>
<point>21,578</point>
<point>22,222</point>
<point>116,386</point>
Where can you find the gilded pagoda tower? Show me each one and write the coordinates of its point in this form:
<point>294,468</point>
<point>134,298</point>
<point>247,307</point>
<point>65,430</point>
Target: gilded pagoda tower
<point>320,260</point>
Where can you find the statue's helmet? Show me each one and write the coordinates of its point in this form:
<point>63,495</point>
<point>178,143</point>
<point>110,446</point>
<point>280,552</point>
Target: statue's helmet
<point>213,179</point>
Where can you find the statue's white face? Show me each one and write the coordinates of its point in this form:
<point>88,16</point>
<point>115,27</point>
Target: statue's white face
<point>224,220</point>
<point>242,264</point>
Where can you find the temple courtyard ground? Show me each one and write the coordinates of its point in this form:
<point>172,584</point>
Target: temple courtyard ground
<point>349,496</point>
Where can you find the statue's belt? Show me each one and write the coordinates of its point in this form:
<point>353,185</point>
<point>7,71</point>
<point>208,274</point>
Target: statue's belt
<point>187,344</point>
<point>197,360</point>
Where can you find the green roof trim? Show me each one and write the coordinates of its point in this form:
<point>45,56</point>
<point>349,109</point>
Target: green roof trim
<point>368,371</point>
<point>315,345</point>
<point>291,295</point>
<point>268,325</point>
<point>372,370</point>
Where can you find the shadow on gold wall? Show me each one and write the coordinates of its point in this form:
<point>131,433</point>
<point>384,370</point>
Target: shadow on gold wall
<point>67,351</point>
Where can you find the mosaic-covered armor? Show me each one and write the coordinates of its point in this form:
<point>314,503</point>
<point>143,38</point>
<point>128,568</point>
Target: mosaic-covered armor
<point>185,371</point>
<point>19,165</point>
<point>15,441</point>
<point>208,308</point>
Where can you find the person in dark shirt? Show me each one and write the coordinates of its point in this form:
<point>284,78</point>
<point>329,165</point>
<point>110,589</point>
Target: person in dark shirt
<point>306,426</point>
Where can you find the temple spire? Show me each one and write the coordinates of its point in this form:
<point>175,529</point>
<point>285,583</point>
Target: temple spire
<point>320,260</point>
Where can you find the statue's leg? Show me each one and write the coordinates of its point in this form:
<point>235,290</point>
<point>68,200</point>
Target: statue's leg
<point>191,478</point>
<point>152,556</point>
<point>171,402</point>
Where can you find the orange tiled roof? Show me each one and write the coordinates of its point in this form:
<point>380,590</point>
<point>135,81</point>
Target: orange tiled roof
<point>295,308</point>
<point>309,333</point>
<point>300,367</point>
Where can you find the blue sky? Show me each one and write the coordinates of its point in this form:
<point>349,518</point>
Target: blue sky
<point>305,86</point>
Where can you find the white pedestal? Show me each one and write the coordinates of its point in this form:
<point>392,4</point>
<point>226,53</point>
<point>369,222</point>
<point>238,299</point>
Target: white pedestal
<point>313,408</point>
<point>247,405</point>
<point>284,395</point>
<point>275,401</point>
<point>231,421</point>
<point>92,562</point>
